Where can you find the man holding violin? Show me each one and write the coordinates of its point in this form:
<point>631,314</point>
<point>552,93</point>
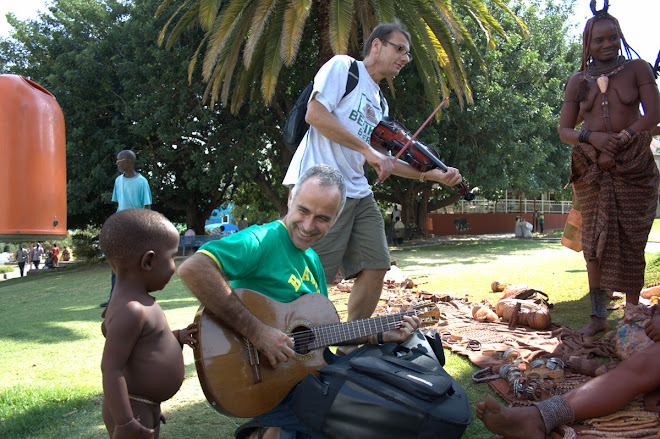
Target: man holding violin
<point>339,135</point>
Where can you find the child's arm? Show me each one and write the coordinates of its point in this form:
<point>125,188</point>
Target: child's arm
<point>185,335</point>
<point>123,332</point>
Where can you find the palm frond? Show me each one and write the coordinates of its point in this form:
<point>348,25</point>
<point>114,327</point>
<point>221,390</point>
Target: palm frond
<point>228,59</point>
<point>187,21</point>
<point>259,20</point>
<point>339,22</point>
<point>521,24</point>
<point>295,17</point>
<point>230,17</point>
<point>208,10</point>
<point>272,60</point>
<point>384,10</point>
<point>193,60</point>
<point>163,31</point>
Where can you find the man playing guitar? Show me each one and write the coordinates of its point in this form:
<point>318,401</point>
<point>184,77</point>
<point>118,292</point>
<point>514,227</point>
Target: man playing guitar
<point>276,260</point>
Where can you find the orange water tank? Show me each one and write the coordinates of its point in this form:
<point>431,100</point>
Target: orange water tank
<point>32,162</point>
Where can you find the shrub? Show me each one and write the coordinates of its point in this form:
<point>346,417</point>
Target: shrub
<point>85,243</point>
<point>6,269</point>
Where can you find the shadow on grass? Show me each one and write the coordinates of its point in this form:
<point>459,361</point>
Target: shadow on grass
<point>48,302</point>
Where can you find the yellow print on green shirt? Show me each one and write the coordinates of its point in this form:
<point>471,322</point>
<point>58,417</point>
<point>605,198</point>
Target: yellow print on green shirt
<point>306,277</point>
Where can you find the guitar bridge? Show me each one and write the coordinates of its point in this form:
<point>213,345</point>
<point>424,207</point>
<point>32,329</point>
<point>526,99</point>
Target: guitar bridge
<point>253,358</point>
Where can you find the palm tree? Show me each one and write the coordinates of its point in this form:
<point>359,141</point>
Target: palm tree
<point>267,35</point>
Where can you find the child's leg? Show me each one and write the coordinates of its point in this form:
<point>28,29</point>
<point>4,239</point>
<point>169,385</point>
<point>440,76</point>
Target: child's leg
<point>147,414</point>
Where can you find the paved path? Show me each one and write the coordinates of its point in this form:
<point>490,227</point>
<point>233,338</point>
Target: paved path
<point>16,273</point>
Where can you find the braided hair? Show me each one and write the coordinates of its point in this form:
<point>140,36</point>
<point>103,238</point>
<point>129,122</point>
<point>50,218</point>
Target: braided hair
<point>587,33</point>
<point>586,42</point>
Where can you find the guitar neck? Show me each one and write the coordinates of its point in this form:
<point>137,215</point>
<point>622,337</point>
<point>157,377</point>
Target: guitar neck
<point>331,335</point>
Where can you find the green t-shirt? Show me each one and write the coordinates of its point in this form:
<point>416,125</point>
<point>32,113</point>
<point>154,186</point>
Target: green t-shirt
<point>263,259</point>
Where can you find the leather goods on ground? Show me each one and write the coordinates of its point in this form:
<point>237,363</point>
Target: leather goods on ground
<point>387,390</point>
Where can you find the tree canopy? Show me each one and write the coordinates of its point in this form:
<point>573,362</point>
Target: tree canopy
<point>247,43</point>
<point>119,90</point>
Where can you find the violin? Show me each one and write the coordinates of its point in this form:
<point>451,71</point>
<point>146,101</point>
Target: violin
<point>393,136</point>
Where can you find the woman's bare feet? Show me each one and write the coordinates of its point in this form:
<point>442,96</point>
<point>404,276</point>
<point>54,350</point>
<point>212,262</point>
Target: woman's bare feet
<point>511,423</point>
<point>595,326</point>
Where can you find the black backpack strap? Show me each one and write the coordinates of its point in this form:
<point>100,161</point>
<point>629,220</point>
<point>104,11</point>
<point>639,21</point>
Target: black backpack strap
<point>352,81</point>
<point>353,78</point>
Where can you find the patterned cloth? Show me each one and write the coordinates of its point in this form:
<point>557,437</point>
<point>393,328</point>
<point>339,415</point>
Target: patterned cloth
<point>618,208</point>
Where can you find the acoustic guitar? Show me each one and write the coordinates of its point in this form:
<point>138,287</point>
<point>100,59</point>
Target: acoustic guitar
<point>239,381</point>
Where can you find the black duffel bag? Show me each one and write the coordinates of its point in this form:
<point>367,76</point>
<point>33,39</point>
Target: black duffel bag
<point>385,391</point>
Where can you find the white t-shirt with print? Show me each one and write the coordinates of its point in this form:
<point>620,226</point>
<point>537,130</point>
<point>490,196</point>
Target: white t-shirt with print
<point>359,112</point>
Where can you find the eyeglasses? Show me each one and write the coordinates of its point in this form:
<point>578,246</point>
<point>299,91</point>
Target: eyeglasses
<point>401,50</point>
<point>120,160</point>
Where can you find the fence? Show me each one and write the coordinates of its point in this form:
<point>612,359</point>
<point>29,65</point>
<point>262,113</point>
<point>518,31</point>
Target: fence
<point>506,206</point>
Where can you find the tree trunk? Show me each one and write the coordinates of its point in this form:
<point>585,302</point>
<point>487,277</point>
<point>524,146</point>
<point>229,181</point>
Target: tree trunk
<point>323,30</point>
<point>272,195</point>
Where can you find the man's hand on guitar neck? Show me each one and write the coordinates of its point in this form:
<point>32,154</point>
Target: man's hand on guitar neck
<point>408,326</point>
<point>274,344</point>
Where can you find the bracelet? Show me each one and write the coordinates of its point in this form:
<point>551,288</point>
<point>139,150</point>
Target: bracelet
<point>626,134</point>
<point>583,137</point>
<point>630,131</point>
<point>422,177</point>
<point>372,339</point>
<point>380,338</point>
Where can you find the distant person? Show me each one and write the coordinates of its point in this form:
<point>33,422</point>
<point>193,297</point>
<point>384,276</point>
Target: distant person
<point>21,258</point>
<point>55,253</point>
<point>242,223</point>
<point>37,252</point>
<point>541,219</point>
<point>66,254</point>
<point>142,361</point>
<point>131,191</point>
<point>399,231</point>
<point>614,176</point>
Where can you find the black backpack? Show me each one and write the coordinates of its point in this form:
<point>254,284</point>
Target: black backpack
<point>296,127</point>
<point>381,391</point>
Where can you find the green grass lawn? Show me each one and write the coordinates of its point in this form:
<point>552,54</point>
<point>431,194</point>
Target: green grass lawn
<point>51,343</point>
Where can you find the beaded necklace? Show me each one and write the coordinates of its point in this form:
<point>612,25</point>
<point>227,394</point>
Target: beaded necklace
<point>602,77</point>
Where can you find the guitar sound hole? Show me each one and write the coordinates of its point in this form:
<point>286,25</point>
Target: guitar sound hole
<point>302,339</point>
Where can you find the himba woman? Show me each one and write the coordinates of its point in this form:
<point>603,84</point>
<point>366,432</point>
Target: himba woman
<point>614,176</point>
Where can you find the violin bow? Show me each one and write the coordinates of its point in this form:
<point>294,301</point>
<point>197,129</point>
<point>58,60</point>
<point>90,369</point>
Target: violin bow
<point>414,136</point>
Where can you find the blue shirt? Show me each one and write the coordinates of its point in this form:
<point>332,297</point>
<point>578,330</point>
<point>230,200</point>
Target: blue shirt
<point>131,192</point>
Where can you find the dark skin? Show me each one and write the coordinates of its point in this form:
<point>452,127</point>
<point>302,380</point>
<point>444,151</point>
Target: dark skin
<point>600,396</point>
<point>126,165</point>
<point>626,90</point>
<point>135,328</point>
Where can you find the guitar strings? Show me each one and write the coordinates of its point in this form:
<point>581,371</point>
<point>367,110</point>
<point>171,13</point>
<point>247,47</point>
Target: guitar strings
<point>325,335</point>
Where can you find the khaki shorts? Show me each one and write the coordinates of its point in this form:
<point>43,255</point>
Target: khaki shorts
<point>356,241</point>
